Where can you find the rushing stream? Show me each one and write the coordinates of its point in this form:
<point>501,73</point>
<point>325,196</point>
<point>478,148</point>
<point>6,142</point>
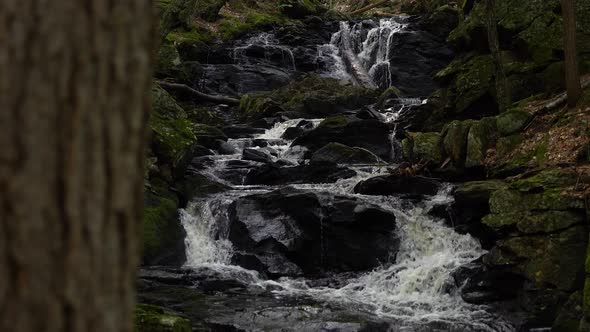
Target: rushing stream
<point>412,288</point>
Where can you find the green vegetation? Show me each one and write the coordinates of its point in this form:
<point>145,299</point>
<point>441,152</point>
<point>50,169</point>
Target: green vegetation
<point>150,318</point>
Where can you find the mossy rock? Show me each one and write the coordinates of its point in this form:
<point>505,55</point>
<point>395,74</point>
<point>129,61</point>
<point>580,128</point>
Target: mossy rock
<point>548,179</point>
<point>390,93</point>
<point>427,146</point>
<point>234,27</point>
<point>455,141</point>
<point>197,186</point>
<point>172,131</point>
<point>481,137</point>
<point>191,43</point>
<point>150,318</point>
<point>207,135</point>
<point>341,154</point>
<point>512,122</point>
<point>301,8</point>
<point>311,95</point>
<point>506,145</point>
<point>181,13</point>
<point>508,201</point>
<point>533,222</point>
<point>570,315</point>
<point>335,121</point>
<point>162,234</point>
<point>479,191</point>
<point>204,115</point>
<point>408,149</point>
<point>167,61</point>
<point>549,261</point>
<point>256,106</point>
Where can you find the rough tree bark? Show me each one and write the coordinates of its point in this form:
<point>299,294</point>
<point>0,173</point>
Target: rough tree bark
<point>502,90</point>
<point>572,74</point>
<point>74,106</point>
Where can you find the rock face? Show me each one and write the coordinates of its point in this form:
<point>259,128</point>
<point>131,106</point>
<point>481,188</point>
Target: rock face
<point>341,154</point>
<point>391,185</point>
<point>289,232</point>
<point>371,135</point>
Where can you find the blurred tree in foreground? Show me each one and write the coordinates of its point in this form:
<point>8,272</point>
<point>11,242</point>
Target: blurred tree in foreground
<point>74,83</point>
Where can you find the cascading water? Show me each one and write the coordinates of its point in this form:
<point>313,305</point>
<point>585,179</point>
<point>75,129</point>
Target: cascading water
<point>373,44</point>
<point>414,289</point>
<point>267,44</point>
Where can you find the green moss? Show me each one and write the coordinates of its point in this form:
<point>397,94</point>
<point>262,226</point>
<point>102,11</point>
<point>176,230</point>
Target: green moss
<point>342,154</point>
<point>233,27</point>
<point>427,146</point>
<point>335,121</point>
<point>167,60</point>
<point>533,222</point>
<point>507,201</point>
<point>149,318</point>
<point>481,137</point>
<point>549,261</point>
<point>506,145</point>
<point>570,315</point>
<point>547,179</point>
<point>172,131</point>
<point>193,37</point>
<point>408,149</point>
<point>473,81</point>
<point>512,122</point>
<point>455,141</point>
<point>310,95</point>
<point>161,229</point>
<point>301,8</point>
<point>204,115</point>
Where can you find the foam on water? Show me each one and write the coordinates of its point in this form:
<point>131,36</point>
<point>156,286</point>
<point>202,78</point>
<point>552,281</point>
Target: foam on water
<point>415,287</point>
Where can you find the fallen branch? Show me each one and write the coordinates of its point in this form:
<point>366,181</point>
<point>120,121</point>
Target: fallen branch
<point>369,7</point>
<point>198,94</point>
<point>559,100</point>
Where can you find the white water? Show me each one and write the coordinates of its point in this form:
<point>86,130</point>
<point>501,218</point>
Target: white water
<point>415,288</point>
<point>270,45</point>
<point>373,48</point>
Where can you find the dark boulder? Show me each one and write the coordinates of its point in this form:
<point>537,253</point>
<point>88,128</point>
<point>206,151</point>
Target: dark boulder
<point>392,185</point>
<point>225,148</point>
<point>341,154</point>
<point>280,173</point>
<point>293,132</point>
<point>256,155</point>
<point>371,135</point>
<point>306,230</point>
<point>241,131</point>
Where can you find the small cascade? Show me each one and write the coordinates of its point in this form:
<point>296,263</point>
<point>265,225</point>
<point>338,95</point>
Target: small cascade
<point>373,44</point>
<point>266,46</point>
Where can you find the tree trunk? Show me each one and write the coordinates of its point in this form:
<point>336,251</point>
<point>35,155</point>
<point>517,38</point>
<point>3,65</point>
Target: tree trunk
<point>74,106</point>
<point>502,90</point>
<point>572,74</point>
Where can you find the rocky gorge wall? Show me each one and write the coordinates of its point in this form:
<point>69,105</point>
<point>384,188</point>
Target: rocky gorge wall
<point>520,189</point>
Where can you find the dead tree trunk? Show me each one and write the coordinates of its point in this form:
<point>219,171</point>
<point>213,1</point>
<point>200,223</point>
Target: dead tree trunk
<point>502,90</point>
<point>572,74</point>
<point>74,100</point>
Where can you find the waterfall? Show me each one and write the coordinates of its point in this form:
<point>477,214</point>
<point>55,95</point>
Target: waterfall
<point>267,44</point>
<point>372,43</point>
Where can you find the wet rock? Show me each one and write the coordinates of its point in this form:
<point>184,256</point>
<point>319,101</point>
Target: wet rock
<point>208,135</point>
<point>392,185</point>
<point>481,137</point>
<point>341,154</point>
<point>512,122</point>
<point>315,235</point>
<point>554,260</point>
<point>235,80</point>
<point>423,146</point>
<point>293,132</point>
<point>256,155</point>
<point>241,131</point>
<point>283,172</point>
<point>154,318</point>
<point>481,285</point>
<point>371,135</point>
<point>455,141</point>
<point>225,148</point>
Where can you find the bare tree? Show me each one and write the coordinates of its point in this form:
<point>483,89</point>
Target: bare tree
<point>502,90</point>
<point>74,106</point>
<point>572,74</point>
